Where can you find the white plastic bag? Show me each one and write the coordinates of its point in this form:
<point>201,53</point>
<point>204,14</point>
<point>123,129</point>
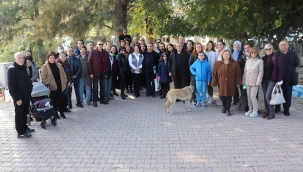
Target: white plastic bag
<point>7,96</point>
<point>277,96</point>
<point>157,85</point>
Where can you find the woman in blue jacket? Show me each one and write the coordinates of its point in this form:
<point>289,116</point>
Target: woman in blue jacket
<point>201,70</point>
<point>163,75</point>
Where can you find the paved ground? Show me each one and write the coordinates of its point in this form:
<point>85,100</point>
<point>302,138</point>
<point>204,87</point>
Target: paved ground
<point>137,135</point>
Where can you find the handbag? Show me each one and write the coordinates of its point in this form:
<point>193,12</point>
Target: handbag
<point>294,78</point>
<point>242,101</point>
<point>277,96</point>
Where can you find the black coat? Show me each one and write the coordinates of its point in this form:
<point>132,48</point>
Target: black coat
<point>172,64</point>
<point>155,62</point>
<point>122,65</point>
<point>19,82</point>
<point>289,63</point>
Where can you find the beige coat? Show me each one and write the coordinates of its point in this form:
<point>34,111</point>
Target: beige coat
<point>47,77</point>
<point>253,72</point>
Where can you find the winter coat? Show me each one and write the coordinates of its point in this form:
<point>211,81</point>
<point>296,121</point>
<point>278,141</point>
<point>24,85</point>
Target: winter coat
<point>155,62</point>
<point>76,66</point>
<point>277,71</point>
<point>84,72</point>
<point>163,72</point>
<point>68,70</point>
<point>19,83</point>
<point>35,72</point>
<point>289,63</point>
<point>253,72</point>
<point>48,78</point>
<point>227,77</point>
<point>94,60</point>
<point>211,57</point>
<point>201,70</point>
<point>172,64</point>
<point>122,65</point>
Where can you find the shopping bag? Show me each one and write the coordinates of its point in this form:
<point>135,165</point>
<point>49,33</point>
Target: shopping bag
<point>7,96</point>
<point>242,104</point>
<point>277,96</point>
<point>157,85</point>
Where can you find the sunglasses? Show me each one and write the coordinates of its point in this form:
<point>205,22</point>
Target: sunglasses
<point>100,44</point>
<point>254,52</point>
<point>268,49</point>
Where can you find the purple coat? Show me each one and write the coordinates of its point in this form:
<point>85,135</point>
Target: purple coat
<point>277,71</point>
<point>163,72</point>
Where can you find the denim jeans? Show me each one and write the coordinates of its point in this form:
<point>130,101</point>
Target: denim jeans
<point>201,88</point>
<point>69,95</point>
<point>267,87</point>
<point>87,88</point>
<point>99,80</point>
<point>108,86</point>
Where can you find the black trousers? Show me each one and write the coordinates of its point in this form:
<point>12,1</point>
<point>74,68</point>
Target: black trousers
<point>150,83</point>
<point>210,90</point>
<point>58,101</point>
<point>165,86</point>
<point>122,84</point>
<point>181,81</point>
<point>237,95</point>
<point>114,81</point>
<point>137,80</point>
<point>287,94</point>
<point>226,101</point>
<point>129,81</point>
<point>21,115</point>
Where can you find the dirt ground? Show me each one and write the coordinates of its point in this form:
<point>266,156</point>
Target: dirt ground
<point>300,70</point>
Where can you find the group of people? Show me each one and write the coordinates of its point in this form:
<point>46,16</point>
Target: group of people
<point>98,72</point>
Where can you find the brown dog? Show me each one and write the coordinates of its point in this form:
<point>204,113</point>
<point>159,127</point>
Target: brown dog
<point>181,94</point>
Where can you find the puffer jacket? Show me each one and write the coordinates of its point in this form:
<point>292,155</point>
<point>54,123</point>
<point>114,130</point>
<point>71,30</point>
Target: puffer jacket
<point>201,70</point>
<point>253,72</point>
<point>163,72</point>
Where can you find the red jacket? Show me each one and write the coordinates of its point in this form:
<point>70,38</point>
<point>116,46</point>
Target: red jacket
<point>94,62</point>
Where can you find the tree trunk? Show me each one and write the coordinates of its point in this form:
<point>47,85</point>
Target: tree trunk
<point>121,18</point>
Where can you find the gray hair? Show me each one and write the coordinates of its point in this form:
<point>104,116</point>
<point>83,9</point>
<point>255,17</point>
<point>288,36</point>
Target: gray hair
<point>17,54</point>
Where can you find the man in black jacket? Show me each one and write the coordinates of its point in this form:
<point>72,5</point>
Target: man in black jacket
<point>290,61</point>
<point>178,68</point>
<point>125,36</point>
<point>20,88</point>
<point>150,65</point>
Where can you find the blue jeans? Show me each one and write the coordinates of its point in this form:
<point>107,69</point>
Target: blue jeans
<point>96,81</point>
<point>267,87</point>
<point>69,95</point>
<point>87,88</point>
<point>201,88</point>
<point>108,86</point>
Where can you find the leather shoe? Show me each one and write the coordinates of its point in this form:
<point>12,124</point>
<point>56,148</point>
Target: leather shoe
<point>67,110</point>
<point>265,114</point>
<point>57,116</point>
<point>23,136</point>
<point>116,94</point>
<point>286,113</point>
<point>80,105</point>
<point>70,106</point>
<point>29,130</point>
<point>62,115</point>
<point>228,112</point>
<point>270,116</point>
<point>123,97</point>
<point>104,102</point>
<point>95,104</point>
<point>223,110</point>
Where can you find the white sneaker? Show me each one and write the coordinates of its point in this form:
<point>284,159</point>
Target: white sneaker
<point>219,103</point>
<point>254,114</point>
<point>206,100</point>
<point>248,113</point>
<point>210,100</point>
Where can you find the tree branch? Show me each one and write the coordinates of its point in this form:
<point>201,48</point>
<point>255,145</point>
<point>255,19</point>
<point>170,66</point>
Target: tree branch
<point>107,26</point>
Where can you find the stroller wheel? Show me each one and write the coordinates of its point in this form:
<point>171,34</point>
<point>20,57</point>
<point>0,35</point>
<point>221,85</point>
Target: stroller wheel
<point>28,120</point>
<point>43,125</point>
<point>54,121</point>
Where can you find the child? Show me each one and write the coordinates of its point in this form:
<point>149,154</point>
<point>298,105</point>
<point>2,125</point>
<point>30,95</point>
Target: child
<point>163,76</point>
<point>201,70</point>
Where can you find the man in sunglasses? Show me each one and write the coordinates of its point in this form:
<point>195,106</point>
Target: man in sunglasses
<point>98,68</point>
<point>290,61</point>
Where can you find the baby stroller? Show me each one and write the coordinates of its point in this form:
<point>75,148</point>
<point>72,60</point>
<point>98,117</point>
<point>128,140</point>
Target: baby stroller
<point>40,105</point>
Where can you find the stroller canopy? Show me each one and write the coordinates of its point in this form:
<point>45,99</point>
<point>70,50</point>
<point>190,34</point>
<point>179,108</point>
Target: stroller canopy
<point>39,89</point>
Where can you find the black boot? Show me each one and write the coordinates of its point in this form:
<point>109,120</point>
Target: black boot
<point>62,115</point>
<point>223,109</point>
<point>163,95</point>
<point>228,112</point>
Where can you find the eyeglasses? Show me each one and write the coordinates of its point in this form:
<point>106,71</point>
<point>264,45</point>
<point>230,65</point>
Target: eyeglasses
<point>122,50</point>
<point>268,49</point>
<point>254,52</point>
<point>100,44</point>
